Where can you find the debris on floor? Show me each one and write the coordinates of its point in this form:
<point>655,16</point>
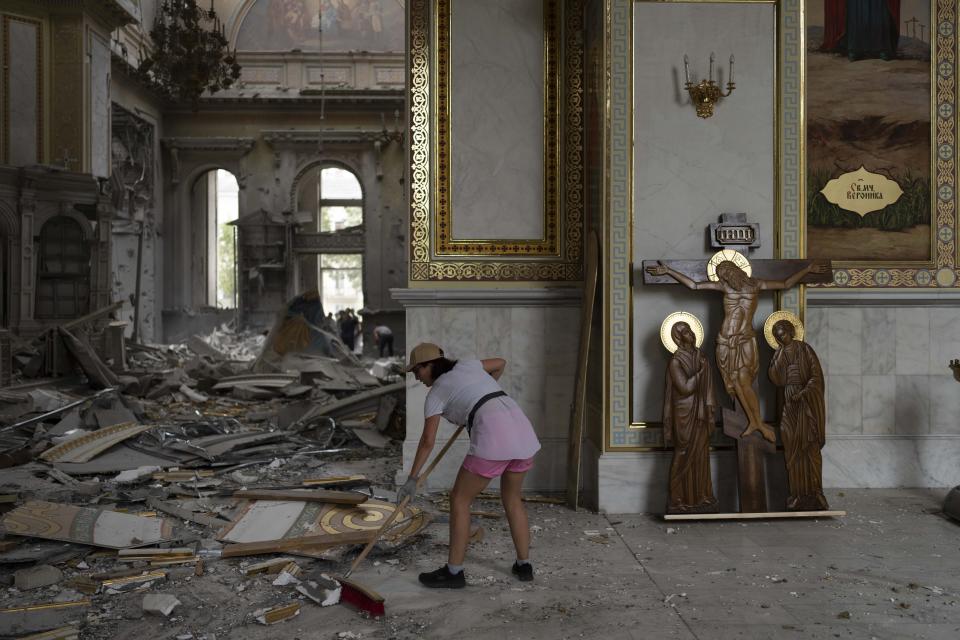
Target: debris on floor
<point>126,483</point>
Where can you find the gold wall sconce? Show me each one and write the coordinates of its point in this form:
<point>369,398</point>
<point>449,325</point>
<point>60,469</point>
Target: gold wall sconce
<point>706,93</point>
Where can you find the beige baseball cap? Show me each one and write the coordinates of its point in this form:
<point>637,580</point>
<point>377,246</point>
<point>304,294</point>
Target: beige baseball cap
<point>423,352</point>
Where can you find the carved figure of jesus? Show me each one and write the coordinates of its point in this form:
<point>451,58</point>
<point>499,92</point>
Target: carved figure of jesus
<point>737,355</point>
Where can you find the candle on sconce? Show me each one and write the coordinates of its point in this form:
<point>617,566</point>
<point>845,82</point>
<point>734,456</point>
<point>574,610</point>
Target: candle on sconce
<point>686,72</point>
<point>711,66</point>
<point>731,69</point>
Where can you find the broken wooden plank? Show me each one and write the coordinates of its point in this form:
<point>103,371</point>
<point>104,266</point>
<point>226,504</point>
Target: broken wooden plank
<point>85,447</point>
<point>325,541</point>
<point>185,514</point>
<point>368,401</point>
<point>304,495</point>
<point>333,481</point>
<point>96,371</point>
<point>260,380</point>
<point>93,315</point>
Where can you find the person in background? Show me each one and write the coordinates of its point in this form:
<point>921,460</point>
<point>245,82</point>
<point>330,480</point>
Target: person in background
<point>348,328</point>
<point>383,338</point>
<point>502,444</point>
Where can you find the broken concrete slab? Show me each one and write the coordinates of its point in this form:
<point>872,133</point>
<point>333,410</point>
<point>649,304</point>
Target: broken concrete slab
<point>161,604</point>
<point>325,591</point>
<point>202,348</point>
<point>42,575</point>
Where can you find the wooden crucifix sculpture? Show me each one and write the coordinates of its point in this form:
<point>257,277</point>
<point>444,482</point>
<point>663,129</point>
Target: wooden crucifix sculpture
<point>741,284</point>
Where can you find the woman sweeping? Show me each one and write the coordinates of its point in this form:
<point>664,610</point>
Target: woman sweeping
<point>502,444</point>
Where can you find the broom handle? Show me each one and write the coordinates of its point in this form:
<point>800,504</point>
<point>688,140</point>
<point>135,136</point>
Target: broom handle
<point>403,503</point>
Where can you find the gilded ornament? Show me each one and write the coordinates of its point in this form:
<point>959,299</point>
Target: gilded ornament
<point>727,255</point>
<point>776,317</point>
<point>680,316</point>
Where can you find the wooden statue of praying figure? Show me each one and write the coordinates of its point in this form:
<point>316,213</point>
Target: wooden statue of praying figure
<point>796,368</point>
<point>688,418</point>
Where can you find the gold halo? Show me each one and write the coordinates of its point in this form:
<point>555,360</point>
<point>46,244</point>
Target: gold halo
<point>776,317</point>
<point>724,255</point>
<point>666,327</point>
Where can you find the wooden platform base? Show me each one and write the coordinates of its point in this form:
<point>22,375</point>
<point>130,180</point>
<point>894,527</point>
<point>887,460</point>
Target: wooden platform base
<point>754,516</point>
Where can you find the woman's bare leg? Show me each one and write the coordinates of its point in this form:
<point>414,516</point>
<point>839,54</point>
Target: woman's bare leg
<point>465,489</point>
<point>510,485</point>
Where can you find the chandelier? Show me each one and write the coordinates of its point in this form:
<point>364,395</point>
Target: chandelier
<point>190,53</point>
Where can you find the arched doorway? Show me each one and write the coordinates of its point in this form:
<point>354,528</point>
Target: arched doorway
<point>215,204</point>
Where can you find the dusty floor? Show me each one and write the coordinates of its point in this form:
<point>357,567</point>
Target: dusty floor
<point>887,570</point>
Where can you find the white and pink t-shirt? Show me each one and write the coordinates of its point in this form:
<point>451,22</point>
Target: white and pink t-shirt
<point>501,431</point>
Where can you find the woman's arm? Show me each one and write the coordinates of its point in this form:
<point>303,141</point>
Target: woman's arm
<point>494,366</point>
<point>427,440</point>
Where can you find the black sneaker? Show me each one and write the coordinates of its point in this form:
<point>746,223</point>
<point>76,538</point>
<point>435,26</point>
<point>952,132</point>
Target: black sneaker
<point>524,572</point>
<point>443,579</point>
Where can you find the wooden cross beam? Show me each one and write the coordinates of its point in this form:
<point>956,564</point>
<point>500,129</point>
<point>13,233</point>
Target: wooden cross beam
<point>762,268</point>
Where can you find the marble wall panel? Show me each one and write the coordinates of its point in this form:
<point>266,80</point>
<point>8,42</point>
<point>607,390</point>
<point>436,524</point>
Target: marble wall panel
<point>458,328</point>
<point>913,341</point>
<point>944,339</point>
<point>912,410</point>
<point>879,340</point>
<point>496,145</point>
<point>944,404</point>
<point>494,340</point>
<point>891,461</point>
<point>878,405</point>
<point>844,338</point>
<point>844,398</point>
<point>24,108</point>
<point>817,335</point>
<point>100,112</point>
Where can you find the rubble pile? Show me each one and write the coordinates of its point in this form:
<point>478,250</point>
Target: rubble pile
<point>135,473</point>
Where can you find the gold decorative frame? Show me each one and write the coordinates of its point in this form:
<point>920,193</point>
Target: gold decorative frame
<point>434,254</point>
<point>943,269</point>
<point>5,138</point>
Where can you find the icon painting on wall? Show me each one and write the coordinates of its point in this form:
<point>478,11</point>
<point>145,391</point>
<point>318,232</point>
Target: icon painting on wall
<point>868,87</point>
<point>347,25</point>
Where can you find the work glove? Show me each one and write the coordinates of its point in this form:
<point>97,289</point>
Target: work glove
<point>408,490</point>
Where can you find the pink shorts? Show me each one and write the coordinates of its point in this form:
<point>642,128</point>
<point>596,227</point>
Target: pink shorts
<point>495,468</point>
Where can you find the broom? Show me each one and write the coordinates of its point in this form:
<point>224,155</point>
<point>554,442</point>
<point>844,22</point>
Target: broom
<point>353,592</point>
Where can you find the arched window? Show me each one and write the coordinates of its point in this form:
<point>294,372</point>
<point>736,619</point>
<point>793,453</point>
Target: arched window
<point>333,198</point>
<point>63,270</point>
<point>216,202</point>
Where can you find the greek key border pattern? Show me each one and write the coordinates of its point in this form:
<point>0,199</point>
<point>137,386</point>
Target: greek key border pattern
<point>942,271</point>
<point>791,158</point>
<point>618,237</point>
<point>527,266</point>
